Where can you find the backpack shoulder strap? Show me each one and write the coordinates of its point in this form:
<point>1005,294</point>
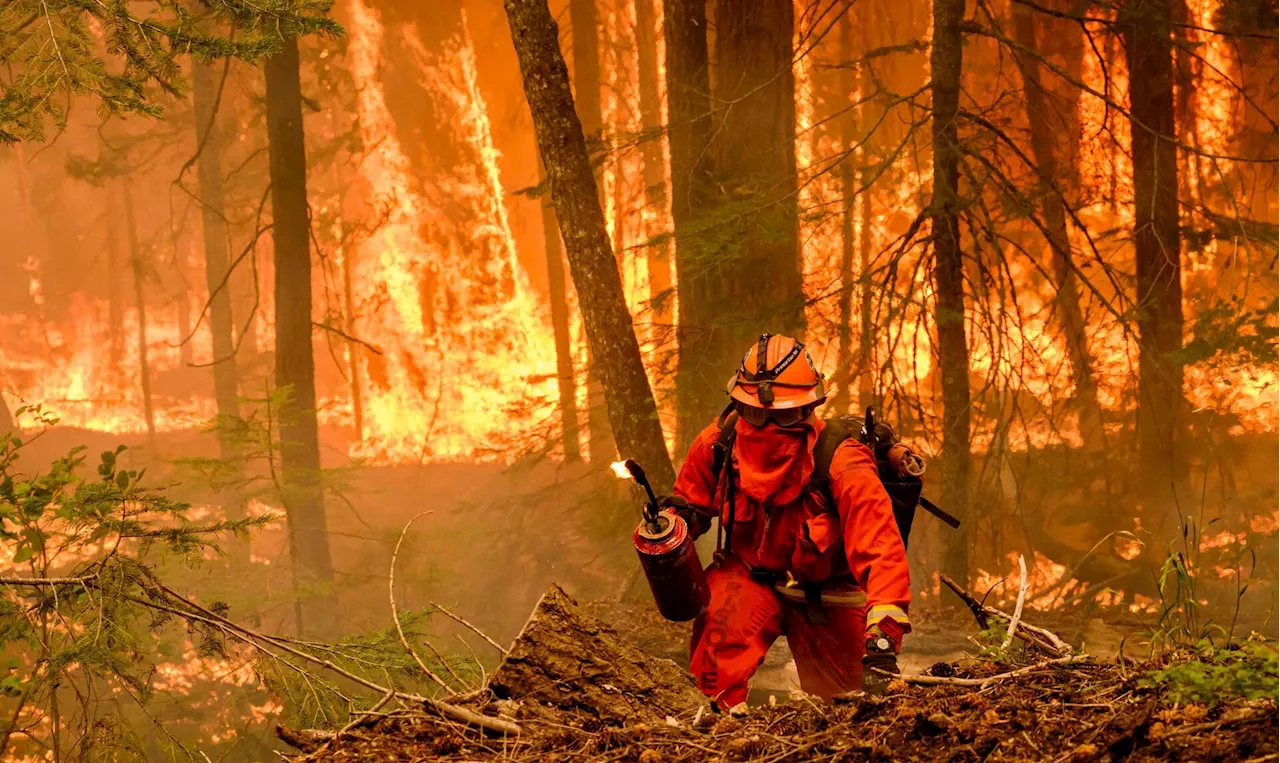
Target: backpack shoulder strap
<point>724,442</point>
<point>832,436</point>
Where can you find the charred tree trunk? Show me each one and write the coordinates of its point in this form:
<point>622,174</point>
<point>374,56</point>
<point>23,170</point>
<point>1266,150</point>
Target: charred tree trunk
<point>944,216</point>
<point>217,260</point>
<point>558,293</point>
<point>586,89</point>
<point>1050,118</point>
<point>610,334</point>
<point>758,279</point>
<point>659,255</point>
<point>1145,27</point>
<point>295,364</point>
<point>140,301</point>
<point>698,391</point>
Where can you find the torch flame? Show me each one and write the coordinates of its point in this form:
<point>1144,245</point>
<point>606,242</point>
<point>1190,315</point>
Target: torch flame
<point>620,470</point>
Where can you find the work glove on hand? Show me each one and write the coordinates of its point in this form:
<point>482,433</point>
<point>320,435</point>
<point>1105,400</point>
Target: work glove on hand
<point>682,508</point>
<point>881,655</point>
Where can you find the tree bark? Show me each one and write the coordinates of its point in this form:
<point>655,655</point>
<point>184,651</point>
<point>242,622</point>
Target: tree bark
<point>610,334</point>
<point>845,360</point>
<point>757,276</point>
<point>586,91</point>
<point>659,254</point>
<point>295,365</point>
<point>949,302</point>
<point>217,260</point>
<point>1145,28</point>
<point>684,25</point>
<point>1053,121</point>
<point>558,295</point>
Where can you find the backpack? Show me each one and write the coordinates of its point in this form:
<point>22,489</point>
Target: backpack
<point>904,490</point>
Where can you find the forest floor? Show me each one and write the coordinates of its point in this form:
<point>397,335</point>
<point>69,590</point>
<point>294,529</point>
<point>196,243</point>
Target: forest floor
<point>1093,710</point>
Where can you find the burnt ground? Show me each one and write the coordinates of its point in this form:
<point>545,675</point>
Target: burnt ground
<point>1086,713</point>
<point>582,691</point>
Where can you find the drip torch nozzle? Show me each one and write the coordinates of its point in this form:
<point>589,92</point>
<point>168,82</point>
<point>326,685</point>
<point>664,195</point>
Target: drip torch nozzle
<point>650,508</point>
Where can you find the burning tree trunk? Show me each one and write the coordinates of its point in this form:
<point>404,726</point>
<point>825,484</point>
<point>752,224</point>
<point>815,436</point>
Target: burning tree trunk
<point>140,300</point>
<point>659,254</point>
<point>610,334</point>
<point>1051,118</point>
<point>560,325</point>
<point>944,215</point>
<point>216,257</point>
<point>758,278</point>
<point>586,88</point>
<point>295,366</point>
<point>1145,27</point>
<point>684,25</point>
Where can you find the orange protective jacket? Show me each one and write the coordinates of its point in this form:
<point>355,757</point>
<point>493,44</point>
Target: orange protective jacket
<point>783,527</point>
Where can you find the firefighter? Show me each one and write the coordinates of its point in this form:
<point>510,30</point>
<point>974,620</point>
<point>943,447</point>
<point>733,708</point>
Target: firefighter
<point>819,561</point>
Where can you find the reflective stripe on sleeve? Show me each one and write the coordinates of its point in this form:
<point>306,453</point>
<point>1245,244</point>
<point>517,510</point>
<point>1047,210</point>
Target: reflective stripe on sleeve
<point>881,611</point>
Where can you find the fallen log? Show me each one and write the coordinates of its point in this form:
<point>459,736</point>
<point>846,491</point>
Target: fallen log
<point>571,661</point>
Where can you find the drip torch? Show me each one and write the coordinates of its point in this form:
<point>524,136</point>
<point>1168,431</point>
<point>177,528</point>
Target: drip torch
<point>667,556</point>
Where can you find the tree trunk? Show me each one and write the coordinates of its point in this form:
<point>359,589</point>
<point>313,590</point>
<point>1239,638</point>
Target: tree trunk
<point>684,25</point>
<point>944,215</point>
<point>758,280</point>
<point>558,295</point>
<point>661,298</point>
<point>7,424</point>
<point>140,301</point>
<point>1145,27</point>
<point>303,494</point>
<point>220,283</point>
<point>186,354</point>
<point>610,334</point>
<point>1051,119</point>
<point>844,330</point>
<point>586,89</point>
<point>115,298</point>
<point>217,260</point>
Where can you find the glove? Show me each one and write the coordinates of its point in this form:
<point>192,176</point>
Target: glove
<point>874,682</point>
<point>685,510</point>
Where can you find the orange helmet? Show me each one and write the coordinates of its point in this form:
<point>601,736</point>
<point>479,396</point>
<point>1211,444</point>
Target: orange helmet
<point>773,376</point>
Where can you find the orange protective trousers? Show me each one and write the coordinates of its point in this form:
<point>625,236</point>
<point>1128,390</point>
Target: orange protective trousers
<point>746,616</point>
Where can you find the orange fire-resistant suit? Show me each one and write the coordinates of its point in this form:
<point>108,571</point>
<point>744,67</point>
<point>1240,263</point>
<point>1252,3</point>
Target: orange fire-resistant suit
<point>788,548</point>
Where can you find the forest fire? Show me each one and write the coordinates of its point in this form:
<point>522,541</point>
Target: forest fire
<point>276,284</point>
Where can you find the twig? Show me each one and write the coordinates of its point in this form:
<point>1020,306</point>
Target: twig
<point>1017,609</point>
<point>984,682</point>
<point>471,627</point>
<point>1038,637</point>
<point>48,581</point>
<point>359,720</point>
<point>253,638</point>
<point>395,616</point>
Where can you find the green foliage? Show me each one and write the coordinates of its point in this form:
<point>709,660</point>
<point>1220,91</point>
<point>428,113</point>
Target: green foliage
<point>1212,673</point>
<point>111,51</point>
<point>89,612</point>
